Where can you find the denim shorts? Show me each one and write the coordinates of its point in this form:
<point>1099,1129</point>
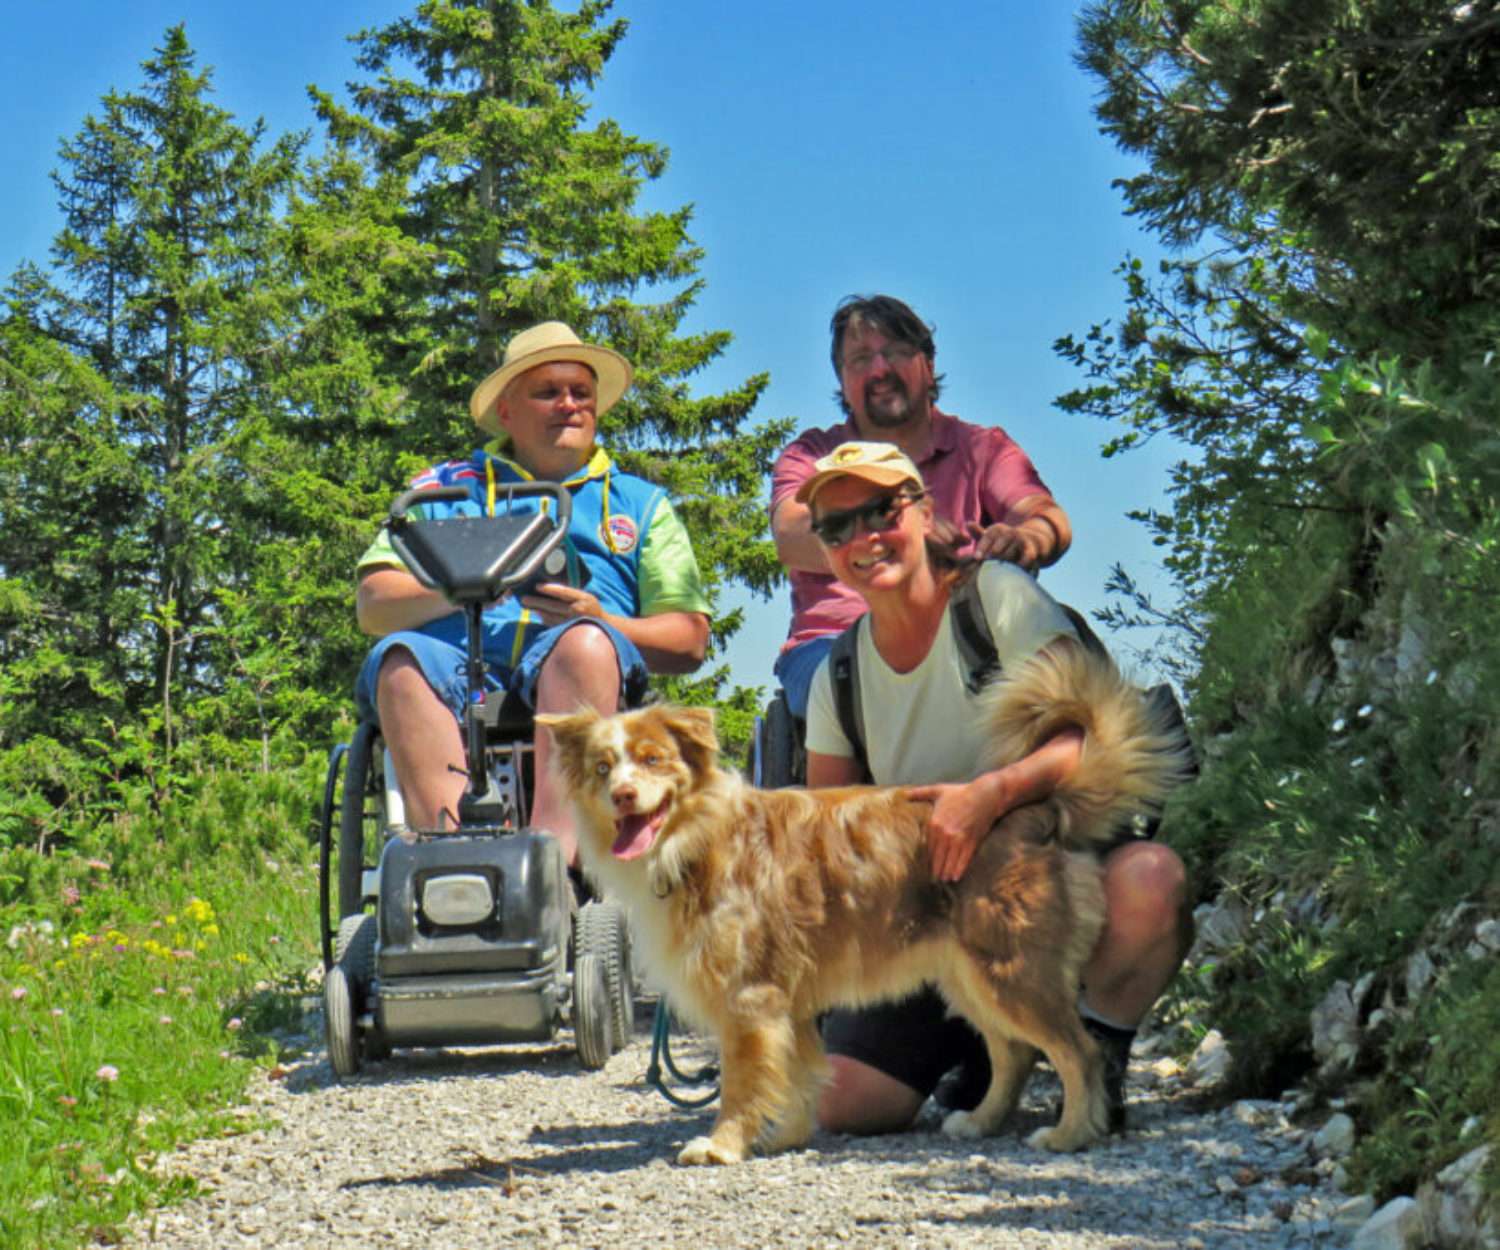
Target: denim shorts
<point>443,664</point>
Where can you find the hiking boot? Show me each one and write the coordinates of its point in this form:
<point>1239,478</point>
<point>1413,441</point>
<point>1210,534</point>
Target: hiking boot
<point>1114,1049</point>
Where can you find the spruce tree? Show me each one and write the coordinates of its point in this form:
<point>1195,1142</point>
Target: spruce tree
<point>133,401</point>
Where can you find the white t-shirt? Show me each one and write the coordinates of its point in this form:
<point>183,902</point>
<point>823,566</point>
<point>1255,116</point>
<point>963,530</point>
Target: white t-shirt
<point>920,726</point>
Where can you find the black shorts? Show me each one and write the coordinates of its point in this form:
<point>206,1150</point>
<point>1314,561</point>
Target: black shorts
<point>917,1041</point>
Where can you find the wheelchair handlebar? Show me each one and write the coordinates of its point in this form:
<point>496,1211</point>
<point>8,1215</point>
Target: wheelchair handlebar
<point>511,490</point>
<point>459,582</point>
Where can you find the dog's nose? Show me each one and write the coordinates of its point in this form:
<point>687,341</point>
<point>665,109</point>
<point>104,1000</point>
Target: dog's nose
<point>623,796</point>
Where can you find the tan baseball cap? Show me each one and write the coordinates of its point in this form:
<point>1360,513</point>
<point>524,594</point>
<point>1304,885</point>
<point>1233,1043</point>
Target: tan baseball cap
<point>885,464</point>
<point>542,345</point>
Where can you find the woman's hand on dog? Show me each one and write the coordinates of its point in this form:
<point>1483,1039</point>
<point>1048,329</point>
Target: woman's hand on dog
<point>964,813</point>
<point>961,817</point>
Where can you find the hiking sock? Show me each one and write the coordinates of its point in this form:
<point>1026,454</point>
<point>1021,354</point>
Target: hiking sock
<point>1114,1048</point>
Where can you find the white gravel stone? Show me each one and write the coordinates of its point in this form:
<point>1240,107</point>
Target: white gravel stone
<point>520,1147</point>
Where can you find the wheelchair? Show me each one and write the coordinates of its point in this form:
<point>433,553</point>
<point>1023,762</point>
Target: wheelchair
<point>778,754</point>
<point>473,934</point>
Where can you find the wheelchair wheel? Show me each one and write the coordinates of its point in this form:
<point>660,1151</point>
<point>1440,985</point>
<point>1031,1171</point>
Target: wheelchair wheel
<point>604,934</point>
<point>338,1016</point>
<point>592,1024</point>
<point>345,985</point>
<point>361,816</point>
<point>778,747</point>
<point>356,952</point>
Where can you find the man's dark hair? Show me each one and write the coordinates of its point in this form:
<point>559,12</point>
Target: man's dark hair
<point>890,317</point>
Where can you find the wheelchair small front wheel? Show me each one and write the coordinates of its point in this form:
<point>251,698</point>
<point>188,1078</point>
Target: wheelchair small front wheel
<point>592,1025</point>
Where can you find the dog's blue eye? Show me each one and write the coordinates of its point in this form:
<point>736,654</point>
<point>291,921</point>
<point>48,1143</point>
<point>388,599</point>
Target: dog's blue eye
<point>602,768</point>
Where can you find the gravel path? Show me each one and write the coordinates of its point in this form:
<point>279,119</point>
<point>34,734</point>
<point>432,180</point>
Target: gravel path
<point>518,1146</point>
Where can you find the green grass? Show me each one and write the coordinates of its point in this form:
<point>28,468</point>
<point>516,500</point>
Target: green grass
<point>134,1012</point>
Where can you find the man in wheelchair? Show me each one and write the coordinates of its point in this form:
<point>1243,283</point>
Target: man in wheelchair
<point>633,605</point>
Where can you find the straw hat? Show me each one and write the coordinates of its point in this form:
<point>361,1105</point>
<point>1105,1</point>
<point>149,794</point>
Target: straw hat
<point>885,464</point>
<point>541,345</point>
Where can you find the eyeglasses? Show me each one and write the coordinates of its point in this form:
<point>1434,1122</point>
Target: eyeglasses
<point>877,515</point>
<point>895,355</point>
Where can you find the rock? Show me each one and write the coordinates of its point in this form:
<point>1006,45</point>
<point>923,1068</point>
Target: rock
<point>1487,933</point>
<point>1396,1226</point>
<point>1336,1031</point>
<point>1210,1062</point>
<point>1354,1214</point>
<point>1419,973</point>
<point>1220,927</point>
<point>1335,1139</point>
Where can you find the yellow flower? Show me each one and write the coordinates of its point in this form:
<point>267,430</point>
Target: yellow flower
<point>211,929</point>
<point>241,958</point>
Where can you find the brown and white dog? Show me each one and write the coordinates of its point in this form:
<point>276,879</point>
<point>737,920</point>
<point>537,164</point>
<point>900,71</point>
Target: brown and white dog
<point>758,910</point>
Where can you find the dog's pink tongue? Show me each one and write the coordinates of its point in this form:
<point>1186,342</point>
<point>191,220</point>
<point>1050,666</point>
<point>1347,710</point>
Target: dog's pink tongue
<point>634,834</point>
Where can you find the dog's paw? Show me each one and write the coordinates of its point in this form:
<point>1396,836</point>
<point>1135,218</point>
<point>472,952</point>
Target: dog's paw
<point>703,1151</point>
<point>962,1124</point>
<point>1053,1138</point>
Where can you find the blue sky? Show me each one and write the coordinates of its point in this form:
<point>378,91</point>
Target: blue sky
<point>943,153</point>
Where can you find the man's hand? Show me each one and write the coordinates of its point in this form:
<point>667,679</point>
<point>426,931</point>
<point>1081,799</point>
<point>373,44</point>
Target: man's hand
<point>962,815</point>
<point>1028,544</point>
<point>556,603</point>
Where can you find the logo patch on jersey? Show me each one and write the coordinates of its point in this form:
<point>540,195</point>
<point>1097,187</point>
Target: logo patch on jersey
<point>619,534</point>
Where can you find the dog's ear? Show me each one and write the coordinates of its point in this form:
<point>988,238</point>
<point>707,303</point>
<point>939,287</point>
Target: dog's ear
<point>693,727</point>
<point>571,734</point>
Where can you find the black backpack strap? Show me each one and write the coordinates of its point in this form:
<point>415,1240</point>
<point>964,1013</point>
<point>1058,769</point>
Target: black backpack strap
<point>972,635</point>
<point>843,672</point>
<point>1084,630</point>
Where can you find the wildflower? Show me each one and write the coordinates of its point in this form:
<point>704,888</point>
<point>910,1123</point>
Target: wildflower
<point>196,910</point>
<point>108,1073</point>
<point>241,958</point>
<point>18,993</point>
<point>211,929</point>
<point>234,1025</point>
<point>274,939</point>
<point>171,919</point>
<point>186,991</point>
<point>159,991</point>
<point>164,1020</point>
<point>99,865</point>
<point>68,1101</point>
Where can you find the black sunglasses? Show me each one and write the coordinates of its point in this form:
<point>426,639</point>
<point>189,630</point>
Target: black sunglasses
<point>834,529</point>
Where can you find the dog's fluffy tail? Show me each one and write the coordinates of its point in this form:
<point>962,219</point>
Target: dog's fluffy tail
<point>1134,752</point>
